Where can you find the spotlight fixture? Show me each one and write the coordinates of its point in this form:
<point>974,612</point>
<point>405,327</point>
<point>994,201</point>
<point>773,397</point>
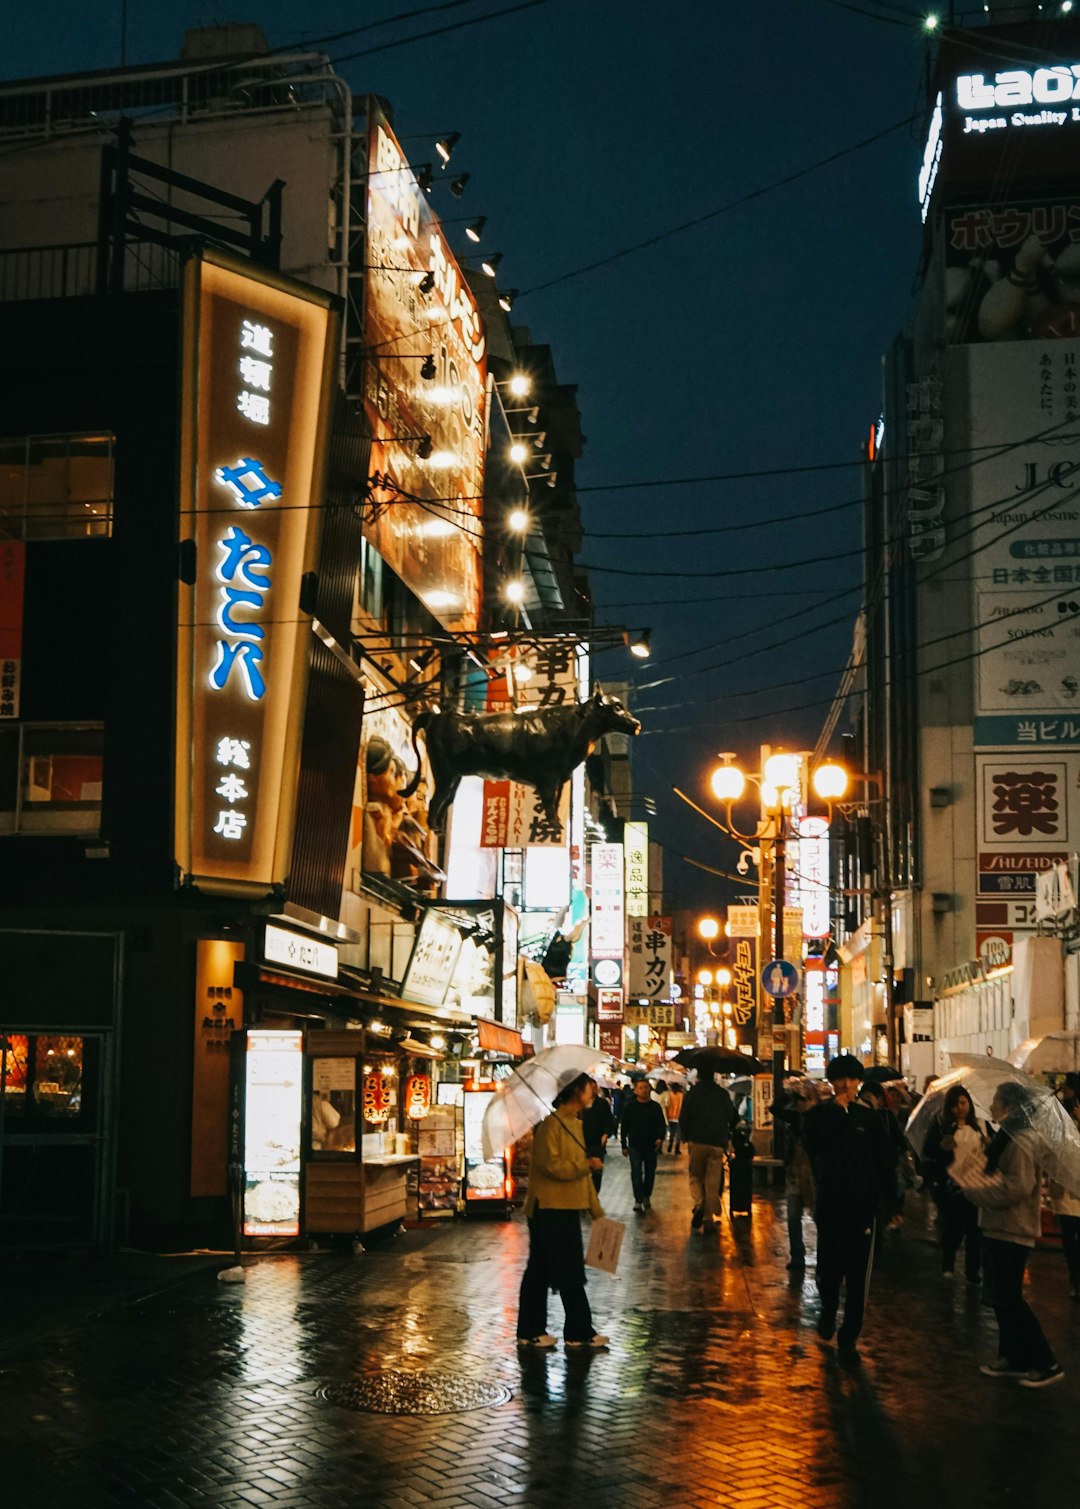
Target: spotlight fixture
<point>519,384</point>
<point>490,265</point>
<point>518,520</point>
<point>427,368</point>
<point>475,229</point>
<point>515,591</point>
<point>427,282</point>
<point>457,185</point>
<point>506,299</point>
<point>639,643</point>
<point>519,453</point>
<point>446,144</point>
<point>424,178</point>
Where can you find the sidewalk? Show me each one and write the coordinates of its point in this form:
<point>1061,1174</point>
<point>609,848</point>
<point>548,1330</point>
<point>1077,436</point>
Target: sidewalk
<point>715,1390</point>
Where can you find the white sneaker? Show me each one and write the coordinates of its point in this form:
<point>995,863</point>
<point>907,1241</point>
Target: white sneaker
<point>596,1343</point>
<point>538,1343</point>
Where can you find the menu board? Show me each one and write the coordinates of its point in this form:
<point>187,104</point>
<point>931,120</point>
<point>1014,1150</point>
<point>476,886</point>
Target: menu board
<point>273,1066</point>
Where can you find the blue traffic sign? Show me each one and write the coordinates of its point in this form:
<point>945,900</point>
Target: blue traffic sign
<point>779,978</point>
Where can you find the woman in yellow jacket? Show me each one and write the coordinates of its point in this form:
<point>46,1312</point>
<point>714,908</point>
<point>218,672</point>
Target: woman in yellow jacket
<point>560,1188</point>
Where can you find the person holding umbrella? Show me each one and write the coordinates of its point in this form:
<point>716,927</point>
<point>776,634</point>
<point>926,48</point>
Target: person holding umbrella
<point>1008,1196</point>
<point>560,1188</point>
<point>708,1115</point>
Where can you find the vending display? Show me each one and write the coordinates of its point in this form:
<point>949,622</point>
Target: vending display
<point>487,1180</point>
<point>273,1071</point>
<point>441,1142</point>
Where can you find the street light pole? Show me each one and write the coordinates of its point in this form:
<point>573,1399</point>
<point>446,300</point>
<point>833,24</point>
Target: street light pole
<point>778,1027</point>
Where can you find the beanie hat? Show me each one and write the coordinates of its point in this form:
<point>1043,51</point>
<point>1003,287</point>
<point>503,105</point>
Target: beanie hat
<point>844,1066</point>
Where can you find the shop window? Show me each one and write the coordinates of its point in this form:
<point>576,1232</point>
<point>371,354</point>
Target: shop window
<point>58,1073</point>
<point>50,778</point>
<point>14,1072</point>
<point>42,1080</point>
<point>56,487</point>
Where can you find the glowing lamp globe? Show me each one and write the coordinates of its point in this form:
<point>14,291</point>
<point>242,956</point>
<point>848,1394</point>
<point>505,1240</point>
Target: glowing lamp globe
<point>728,783</point>
<point>708,928</point>
<point>830,781</point>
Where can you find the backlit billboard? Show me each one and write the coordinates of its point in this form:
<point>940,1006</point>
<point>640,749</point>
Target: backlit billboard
<point>428,450</point>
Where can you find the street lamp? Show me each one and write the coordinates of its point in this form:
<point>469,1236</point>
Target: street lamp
<point>780,784</point>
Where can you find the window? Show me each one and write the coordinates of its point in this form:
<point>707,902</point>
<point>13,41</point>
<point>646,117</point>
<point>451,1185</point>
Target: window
<point>50,778</point>
<point>44,1078</point>
<point>56,487</point>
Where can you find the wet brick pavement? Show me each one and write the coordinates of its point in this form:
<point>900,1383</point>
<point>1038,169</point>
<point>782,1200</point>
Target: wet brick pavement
<point>715,1390</point>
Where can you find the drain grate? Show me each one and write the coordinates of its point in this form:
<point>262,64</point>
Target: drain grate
<point>391,1392</point>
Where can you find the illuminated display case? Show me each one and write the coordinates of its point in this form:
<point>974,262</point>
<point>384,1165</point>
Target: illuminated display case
<point>270,1070</point>
<point>488,1181</point>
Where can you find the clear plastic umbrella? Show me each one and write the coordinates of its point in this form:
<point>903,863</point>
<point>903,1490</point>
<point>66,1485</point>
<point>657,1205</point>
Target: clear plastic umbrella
<point>522,1101</point>
<point>1039,1124</point>
<point>1054,1053</point>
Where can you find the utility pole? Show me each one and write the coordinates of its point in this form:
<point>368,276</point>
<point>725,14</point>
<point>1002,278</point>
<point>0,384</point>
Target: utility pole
<point>778,1027</point>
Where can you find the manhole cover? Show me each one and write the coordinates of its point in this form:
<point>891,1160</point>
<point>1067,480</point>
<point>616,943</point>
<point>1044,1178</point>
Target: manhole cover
<point>395,1393</point>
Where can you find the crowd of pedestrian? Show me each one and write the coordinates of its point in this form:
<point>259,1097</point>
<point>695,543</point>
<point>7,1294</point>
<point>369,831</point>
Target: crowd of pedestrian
<point>847,1163</point>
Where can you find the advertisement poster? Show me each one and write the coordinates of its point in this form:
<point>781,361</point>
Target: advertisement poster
<point>429,434</point>
<point>648,943</point>
<point>274,1066</point>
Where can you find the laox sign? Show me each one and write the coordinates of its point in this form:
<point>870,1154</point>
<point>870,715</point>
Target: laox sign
<point>1016,86</point>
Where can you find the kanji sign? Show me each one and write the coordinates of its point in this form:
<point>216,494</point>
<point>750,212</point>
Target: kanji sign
<point>648,941</point>
<point>636,846</point>
<point>259,355</point>
<point>742,922</point>
<point>607,900</point>
<point>650,1016</point>
<point>514,818</point>
<point>1024,800</point>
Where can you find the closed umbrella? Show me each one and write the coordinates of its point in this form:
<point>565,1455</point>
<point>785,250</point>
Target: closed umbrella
<point>522,1101</point>
<point>1053,1053</point>
<point>1040,1124</point>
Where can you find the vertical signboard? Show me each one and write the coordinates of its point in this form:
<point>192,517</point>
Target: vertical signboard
<point>636,844</point>
<point>814,876</point>
<point>219,1012</point>
<point>273,1065</point>
<point>429,434</point>
<point>12,583</point>
<point>744,981</point>
<point>649,949</point>
<point>259,354</point>
<point>608,914</point>
<point>535,673</point>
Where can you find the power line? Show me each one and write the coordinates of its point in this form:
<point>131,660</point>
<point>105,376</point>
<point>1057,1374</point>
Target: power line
<point>723,209</point>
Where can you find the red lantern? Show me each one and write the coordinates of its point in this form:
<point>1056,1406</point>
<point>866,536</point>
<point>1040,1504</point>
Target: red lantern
<point>376,1103</point>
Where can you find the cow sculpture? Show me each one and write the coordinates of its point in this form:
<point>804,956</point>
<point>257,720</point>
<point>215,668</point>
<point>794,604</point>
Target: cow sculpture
<point>538,746</point>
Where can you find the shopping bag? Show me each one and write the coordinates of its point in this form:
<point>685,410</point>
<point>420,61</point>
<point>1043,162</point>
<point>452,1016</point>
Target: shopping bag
<point>605,1244</point>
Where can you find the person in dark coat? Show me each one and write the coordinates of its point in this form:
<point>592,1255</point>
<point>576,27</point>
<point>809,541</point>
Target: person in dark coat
<point>708,1115</point>
<point>855,1184</point>
<point>598,1124</point>
<point>642,1130</point>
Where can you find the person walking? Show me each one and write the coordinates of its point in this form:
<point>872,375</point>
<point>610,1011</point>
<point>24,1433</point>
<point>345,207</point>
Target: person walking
<point>854,1179</point>
<point>642,1131</point>
<point>1007,1192</point>
<point>800,1095</point>
<point>1067,1208</point>
<point>706,1120</point>
<point>559,1190</point>
<point>673,1110</point>
<point>953,1138</point>
<point>598,1124</point>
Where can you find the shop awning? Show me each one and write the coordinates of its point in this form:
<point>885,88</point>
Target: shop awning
<point>495,1038</point>
<point>417,1049</point>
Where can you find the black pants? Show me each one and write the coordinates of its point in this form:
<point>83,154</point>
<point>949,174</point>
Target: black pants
<point>643,1171</point>
<point>1020,1337</point>
<point>844,1255</point>
<point>556,1261</point>
<point>959,1223</point>
<point>1070,1246</point>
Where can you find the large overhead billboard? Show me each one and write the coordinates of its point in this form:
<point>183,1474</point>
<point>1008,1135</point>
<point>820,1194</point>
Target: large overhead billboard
<point>428,450</point>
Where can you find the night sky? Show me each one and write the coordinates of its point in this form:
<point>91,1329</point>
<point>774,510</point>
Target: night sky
<point>750,342</point>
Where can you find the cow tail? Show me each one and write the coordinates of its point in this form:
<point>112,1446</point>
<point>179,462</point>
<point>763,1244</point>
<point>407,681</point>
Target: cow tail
<point>421,723</point>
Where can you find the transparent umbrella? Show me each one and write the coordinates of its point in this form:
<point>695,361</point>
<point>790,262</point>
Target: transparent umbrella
<point>522,1101</point>
<point>1039,1124</point>
<point>1054,1053</point>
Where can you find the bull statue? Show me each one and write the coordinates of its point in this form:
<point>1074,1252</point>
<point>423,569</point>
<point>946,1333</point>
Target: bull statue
<point>538,746</point>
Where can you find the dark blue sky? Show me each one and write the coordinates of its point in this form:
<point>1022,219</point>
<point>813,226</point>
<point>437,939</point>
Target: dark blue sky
<point>752,341</point>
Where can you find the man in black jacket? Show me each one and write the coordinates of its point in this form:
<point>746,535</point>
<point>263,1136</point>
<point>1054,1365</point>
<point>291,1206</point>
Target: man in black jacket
<point>708,1115</point>
<point>597,1124</point>
<point>642,1130</point>
<point>853,1175</point>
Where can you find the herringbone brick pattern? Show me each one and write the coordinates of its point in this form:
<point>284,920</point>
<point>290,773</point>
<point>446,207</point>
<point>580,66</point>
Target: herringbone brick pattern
<point>715,1391</point>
